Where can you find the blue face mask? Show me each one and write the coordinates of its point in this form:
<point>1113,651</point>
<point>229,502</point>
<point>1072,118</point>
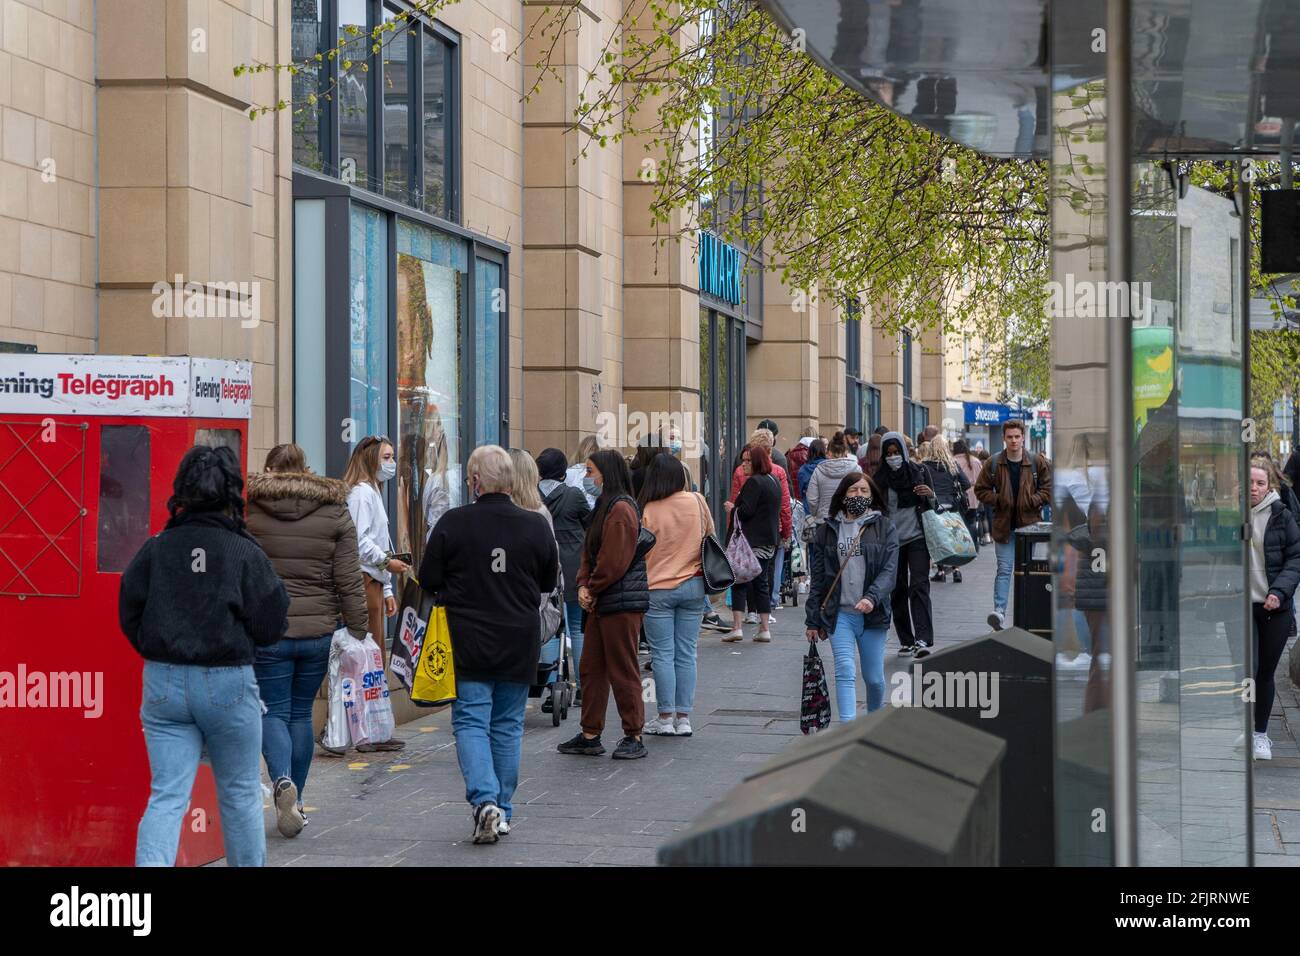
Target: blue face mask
<point>590,487</point>
<point>675,447</point>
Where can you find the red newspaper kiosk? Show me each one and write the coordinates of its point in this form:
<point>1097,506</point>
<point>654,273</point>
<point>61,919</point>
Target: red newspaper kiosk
<point>89,446</point>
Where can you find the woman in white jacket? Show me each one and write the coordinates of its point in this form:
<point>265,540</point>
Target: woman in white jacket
<point>373,461</point>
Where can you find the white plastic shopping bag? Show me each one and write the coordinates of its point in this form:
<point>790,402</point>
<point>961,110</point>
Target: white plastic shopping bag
<point>364,689</point>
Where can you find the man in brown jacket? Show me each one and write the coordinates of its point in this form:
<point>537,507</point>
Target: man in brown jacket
<point>1016,488</point>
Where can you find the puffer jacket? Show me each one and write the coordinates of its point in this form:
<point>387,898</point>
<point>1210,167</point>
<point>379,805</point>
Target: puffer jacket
<point>302,522</point>
<point>795,459</point>
<point>824,481</point>
<point>1282,554</point>
<point>615,573</point>
<point>879,544</point>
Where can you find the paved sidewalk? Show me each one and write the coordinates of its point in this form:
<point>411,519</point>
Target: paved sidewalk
<point>408,808</point>
<point>1277,781</point>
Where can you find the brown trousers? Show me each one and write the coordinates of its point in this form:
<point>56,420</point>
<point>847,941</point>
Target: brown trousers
<point>609,661</point>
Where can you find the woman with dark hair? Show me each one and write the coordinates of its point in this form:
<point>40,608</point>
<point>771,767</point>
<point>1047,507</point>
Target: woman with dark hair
<point>679,520</point>
<point>853,569</point>
<point>570,516</point>
<point>907,494</point>
<point>196,602</point>
<point>613,589</point>
<point>869,459</point>
<point>757,508</point>
<point>301,521</point>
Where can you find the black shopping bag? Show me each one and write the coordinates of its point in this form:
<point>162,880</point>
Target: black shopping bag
<point>412,620</point>
<point>815,709</point>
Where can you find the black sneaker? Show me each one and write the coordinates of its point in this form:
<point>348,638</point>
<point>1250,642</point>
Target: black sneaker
<point>956,577</point>
<point>716,622</point>
<point>582,746</point>
<point>577,696</point>
<point>629,748</point>
<point>923,650</point>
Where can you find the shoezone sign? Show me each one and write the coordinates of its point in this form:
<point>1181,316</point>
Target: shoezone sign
<point>156,386</point>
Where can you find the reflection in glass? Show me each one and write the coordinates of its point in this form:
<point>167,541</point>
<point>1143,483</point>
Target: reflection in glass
<point>368,311</point>
<point>437,66</point>
<point>429,315</point>
<point>706,464</point>
<point>305,43</point>
<point>123,495</point>
<point>490,304</point>
<point>397,102</point>
<point>353,92</point>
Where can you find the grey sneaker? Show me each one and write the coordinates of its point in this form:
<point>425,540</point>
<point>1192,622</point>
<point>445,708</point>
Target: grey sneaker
<point>683,727</point>
<point>288,819</point>
<point>997,620</point>
<point>629,748</point>
<point>487,822</point>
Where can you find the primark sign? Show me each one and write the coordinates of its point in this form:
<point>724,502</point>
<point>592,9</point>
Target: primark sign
<point>720,264</point>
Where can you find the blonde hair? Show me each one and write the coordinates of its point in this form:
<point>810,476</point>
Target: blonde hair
<point>523,491</point>
<point>1269,467</point>
<point>586,448</point>
<point>939,452</point>
<point>492,466</point>
<point>762,437</point>
<point>364,463</point>
<point>923,453</point>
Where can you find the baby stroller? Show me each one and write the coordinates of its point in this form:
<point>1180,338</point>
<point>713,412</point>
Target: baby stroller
<point>554,676</point>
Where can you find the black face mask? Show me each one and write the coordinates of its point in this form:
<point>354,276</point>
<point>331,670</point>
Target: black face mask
<point>855,506</point>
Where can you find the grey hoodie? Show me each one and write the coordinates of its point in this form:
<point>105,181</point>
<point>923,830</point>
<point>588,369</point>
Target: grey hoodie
<point>825,479</point>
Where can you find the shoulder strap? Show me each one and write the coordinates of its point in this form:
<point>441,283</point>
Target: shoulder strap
<point>699,501</point>
<point>840,572</point>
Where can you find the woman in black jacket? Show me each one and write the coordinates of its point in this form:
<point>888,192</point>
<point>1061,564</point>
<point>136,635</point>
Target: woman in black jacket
<point>758,509</point>
<point>853,568</point>
<point>905,485</point>
<point>570,518</point>
<point>950,485</point>
<point>1274,574</point>
<point>614,590</point>
<point>196,602</point>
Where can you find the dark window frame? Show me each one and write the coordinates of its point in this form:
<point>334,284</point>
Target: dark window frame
<point>329,126</point>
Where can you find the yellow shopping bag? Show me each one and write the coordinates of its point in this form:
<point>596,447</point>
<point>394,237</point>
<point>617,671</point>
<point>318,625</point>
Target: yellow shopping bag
<point>435,675</point>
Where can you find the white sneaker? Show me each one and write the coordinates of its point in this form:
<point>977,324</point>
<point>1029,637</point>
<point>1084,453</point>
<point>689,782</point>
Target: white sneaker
<point>997,620</point>
<point>503,828</point>
<point>1104,660</point>
<point>1080,663</point>
<point>487,823</point>
<point>733,636</point>
<point>803,587</point>
<point>659,726</point>
<point>771,619</point>
<point>751,617</point>
<point>1263,747</point>
<point>682,727</point>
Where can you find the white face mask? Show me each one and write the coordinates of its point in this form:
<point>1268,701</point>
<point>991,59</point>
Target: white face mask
<point>894,461</point>
<point>387,469</point>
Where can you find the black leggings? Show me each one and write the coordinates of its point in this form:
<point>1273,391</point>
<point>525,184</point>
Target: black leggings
<point>910,601</point>
<point>756,595</point>
<point>1271,629</point>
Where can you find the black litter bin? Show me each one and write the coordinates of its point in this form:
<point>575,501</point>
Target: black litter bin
<point>1032,610</point>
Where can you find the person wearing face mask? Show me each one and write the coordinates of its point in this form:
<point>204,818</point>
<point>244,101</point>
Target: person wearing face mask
<point>1274,574</point>
<point>373,462</point>
<point>853,568</point>
<point>907,494</point>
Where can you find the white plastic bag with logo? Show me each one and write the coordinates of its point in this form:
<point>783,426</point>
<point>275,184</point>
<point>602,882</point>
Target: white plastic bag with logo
<point>364,689</point>
<point>335,737</point>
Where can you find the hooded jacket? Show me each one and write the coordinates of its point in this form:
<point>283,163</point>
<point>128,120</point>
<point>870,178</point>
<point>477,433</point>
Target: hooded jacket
<point>900,484</point>
<point>794,461</point>
<point>879,547</point>
<point>302,522</point>
<point>1281,546</point>
<point>823,482</point>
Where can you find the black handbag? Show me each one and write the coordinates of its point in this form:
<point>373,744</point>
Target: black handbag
<point>717,572</point>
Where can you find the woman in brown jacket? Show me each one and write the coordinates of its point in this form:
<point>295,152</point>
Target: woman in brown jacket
<point>301,521</point>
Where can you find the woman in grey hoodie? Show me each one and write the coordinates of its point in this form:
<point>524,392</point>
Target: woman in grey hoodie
<point>853,568</point>
<point>826,478</point>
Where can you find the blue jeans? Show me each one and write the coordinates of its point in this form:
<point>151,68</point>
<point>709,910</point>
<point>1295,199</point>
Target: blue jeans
<point>778,572</point>
<point>487,719</point>
<point>1006,564</point>
<point>851,635</point>
<point>289,673</point>
<point>672,628</point>
<point>573,617</point>
<point>185,708</point>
